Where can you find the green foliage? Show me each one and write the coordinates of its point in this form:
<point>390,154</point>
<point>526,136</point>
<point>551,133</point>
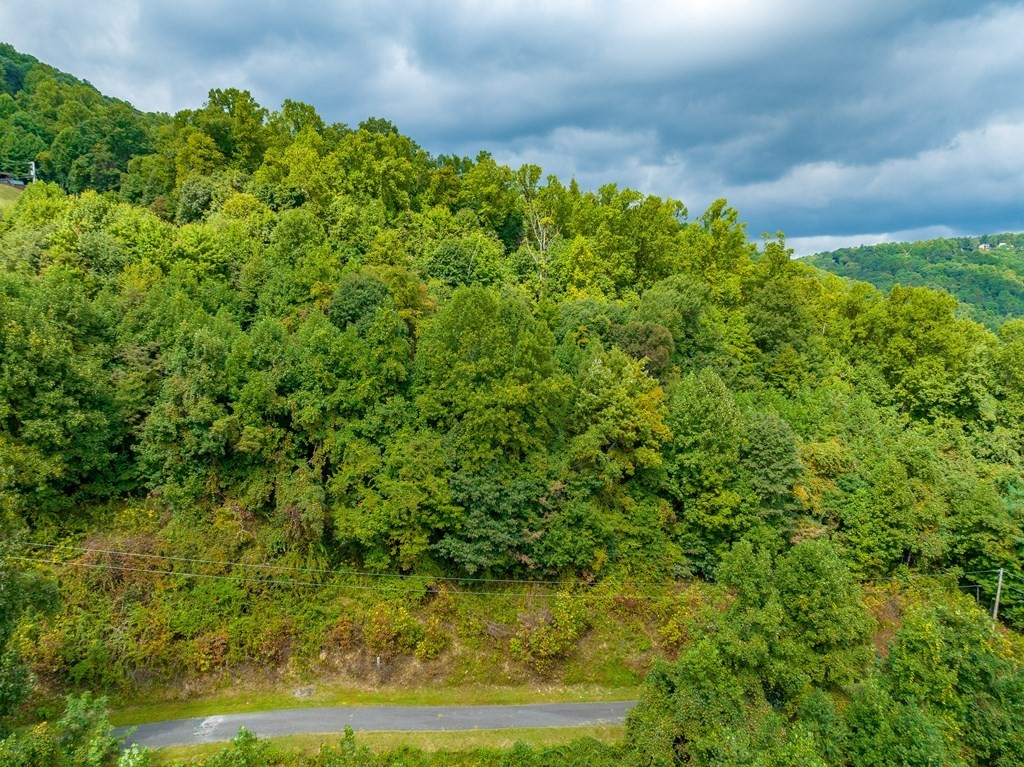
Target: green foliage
<point>486,375</point>
<point>701,465</point>
<point>986,274</point>
<point>884,731</point>
<point>20,593</point>
<point>398,503</point>
<point>934,363</point>
<point>320,347</point>
<point>793,627</point>
<point>948,693</point>
<point>946,660</point>
<point>76,136</point>
<point>246,750</point>
<point>82,737</point>
<point>419,357</point>
<point>555,636</point>
<point>390,630</point>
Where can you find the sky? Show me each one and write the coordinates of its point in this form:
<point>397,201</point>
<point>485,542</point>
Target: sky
<point>838,123</point>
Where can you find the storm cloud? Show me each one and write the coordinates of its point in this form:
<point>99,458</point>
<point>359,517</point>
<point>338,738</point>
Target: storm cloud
<point>836,122</point>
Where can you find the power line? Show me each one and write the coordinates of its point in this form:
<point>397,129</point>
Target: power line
<point>314,584</point>
<point>317,571</point>
<point>392,576</point>
<point>1006,574</point>
<point>211,576</point>
<point>977,591</point>
<point>904,576</point>
<point>310,570</point>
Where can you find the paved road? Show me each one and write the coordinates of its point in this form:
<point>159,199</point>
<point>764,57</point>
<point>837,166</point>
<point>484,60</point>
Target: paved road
<point>213,729</point>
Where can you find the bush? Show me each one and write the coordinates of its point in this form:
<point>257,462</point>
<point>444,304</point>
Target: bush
<point>434,642</point>
<point>82,738</point>
<point>391,631</point>
<point>555,638</point>
<point>211,650</point>
<point>342,635</point>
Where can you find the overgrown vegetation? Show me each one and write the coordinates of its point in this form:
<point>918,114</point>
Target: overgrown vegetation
<point>291,395</point>
<point>785,676</point>
<point>350,751</point>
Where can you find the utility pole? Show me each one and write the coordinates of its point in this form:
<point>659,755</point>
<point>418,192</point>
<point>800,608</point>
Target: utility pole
<point>32,169</point>
<point>999,591</point>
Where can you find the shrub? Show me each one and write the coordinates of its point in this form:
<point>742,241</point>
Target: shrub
<point>342,635</point>
<point>82,738</point>
<point>434,642</point>
<point>555,638</point>
<point>211,650</point>
<point>391,630</point>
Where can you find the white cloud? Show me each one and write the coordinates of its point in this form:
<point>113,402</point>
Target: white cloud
<point>978,168</point>
<point>810,117</point>
<point>806,246</point>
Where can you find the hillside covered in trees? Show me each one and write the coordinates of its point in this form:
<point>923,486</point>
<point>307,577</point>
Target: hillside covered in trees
<point>237,337</point>
<point>986,274</point>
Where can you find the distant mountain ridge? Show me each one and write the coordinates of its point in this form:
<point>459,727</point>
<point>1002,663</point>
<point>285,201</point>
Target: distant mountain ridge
<point>986,273</point>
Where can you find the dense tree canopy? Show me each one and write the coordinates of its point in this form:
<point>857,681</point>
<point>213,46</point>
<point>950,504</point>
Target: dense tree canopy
<point>986,274</point>
<point>443,360</point>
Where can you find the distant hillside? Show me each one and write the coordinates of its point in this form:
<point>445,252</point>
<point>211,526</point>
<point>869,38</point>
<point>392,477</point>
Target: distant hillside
<point>985,273</point>
<point>75,135</point>
<point>8,196</point>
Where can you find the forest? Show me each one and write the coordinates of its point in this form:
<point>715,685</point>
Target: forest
<point>419,388</point>
<point>986,273</point>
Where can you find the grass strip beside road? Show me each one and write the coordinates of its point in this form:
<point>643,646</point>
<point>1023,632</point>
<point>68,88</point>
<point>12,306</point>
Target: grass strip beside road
<point>465,740</point>
<point>330,695</point>
<point>8,196</point>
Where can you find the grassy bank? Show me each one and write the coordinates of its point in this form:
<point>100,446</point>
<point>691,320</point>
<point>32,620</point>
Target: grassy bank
<point>163,646</point>
<point>8,196</point>
<point>538,737</point>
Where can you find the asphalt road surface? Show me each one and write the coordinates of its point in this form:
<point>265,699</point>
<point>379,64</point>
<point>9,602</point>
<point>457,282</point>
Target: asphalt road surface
<point>214,729</point>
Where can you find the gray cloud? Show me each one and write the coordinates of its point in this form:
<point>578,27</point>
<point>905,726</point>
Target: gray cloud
<point>823,120</point>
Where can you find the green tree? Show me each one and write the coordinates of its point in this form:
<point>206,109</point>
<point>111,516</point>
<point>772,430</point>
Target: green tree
<point>793,629</point>
<point>935,363</point>
<point>399,503</point>
<point>82,737</point>
<point>945,659</point>
<point>486,376</point>
<point>59,429</point>
<point>618,420</point>
<point>20,593</point>
<point>702,466</point>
